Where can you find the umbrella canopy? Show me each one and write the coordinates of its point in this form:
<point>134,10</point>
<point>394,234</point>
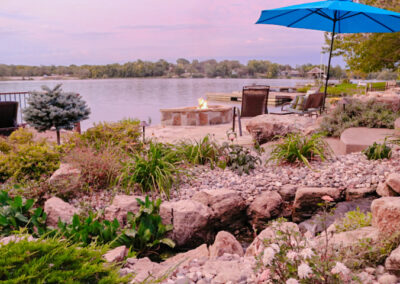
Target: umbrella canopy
<point>336,16</point>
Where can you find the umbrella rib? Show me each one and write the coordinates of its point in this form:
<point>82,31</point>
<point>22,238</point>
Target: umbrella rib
<point>344,15</point>
<point>277,16</point>
<point>348,17</point>
<point>323,14</point>
<point>302,18</point>
<point>376,21</point>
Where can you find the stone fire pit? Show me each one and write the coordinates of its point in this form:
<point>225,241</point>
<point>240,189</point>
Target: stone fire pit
<point>215,114</point>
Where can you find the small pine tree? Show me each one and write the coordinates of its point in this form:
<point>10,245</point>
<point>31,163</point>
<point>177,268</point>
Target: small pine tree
<point>55,108</point>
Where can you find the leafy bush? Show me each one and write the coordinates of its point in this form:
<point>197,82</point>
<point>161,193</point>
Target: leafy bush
<point>21,136</point>
<point>55,261</point>
<point>89,230</point>
<point>354,220</point>
<point>378,151</point>
<point>238,159</point>
<point>156,169</point>
<point>145,232</point>
<point>358,114</point>
<point>200,152</point>
<point>124,134</point>
<point>15,213</point>
<point>297,148</point>
<point>99,169</point>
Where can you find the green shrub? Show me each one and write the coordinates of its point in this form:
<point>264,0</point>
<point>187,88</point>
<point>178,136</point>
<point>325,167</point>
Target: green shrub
<point>145,232</point>
<point>358,114</point>
<point>238,159</point>
<point>16,213</point>
<point>200,152</point>
<point>21,136</point>
<point>124,134</point>
<point>297,148</point>
<point>89,230</point>
<point>303,89</point>
<point>156,169</point>
<point>378,151</point>
<point>5,146</point>
<point>354,220</point>
<point>55,261</point>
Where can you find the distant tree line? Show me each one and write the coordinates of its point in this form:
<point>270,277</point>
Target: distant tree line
<point>161,68</point>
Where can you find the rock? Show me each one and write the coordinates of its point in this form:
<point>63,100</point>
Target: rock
<point>257,246</point>
<point>182,259</point>
<point>366,278</point>
<point>307,200</point>
<point>144,269</point>
<point>397,126</point>
<point>16,238</point>
<point>393,181</point>
<point>121,205</point>
<point>384,190</point>
<point>392,263</point>
<point>189,219</point>
<point>360,192</point>
<point>116,255</point>
<point>56,209</point>
<point>349,238</point>
<point>386,214</point>
<point>66,176</point>
<point>225,243</point>
<point>288,192</point>
<point>227,207</point>
<point>265,207</point>
<point>387,279</point>
<point>264,128</point>
<point>228,271</point>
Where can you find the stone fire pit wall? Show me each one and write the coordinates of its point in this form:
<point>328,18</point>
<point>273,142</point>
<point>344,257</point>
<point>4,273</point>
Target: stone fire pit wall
<point>215,114</point>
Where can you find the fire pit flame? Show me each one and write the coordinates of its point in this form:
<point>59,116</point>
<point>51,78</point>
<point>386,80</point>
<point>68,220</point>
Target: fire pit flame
<point>202,104</point>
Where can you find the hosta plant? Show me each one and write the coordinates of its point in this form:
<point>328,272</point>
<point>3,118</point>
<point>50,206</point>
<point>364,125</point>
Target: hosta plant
<point>238,158</point>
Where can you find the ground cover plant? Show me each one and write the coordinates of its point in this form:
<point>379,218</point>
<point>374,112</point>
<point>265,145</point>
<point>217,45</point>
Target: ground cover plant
<point>237,158</point>
<point>370,114</point>
<point>55,260</point>
<point>300,149</point>
<point>378,151</point>
<point>353,220</point>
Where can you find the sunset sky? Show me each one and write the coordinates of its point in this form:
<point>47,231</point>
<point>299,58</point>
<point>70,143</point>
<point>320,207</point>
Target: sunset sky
<point>103,31</point>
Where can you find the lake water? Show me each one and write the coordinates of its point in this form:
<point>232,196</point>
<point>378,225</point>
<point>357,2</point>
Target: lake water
<point>115,99</point>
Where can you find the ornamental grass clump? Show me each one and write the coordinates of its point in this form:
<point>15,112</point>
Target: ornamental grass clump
<point>378,151</point>
<point>296,148</point>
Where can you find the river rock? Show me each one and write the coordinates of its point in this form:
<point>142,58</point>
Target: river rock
<point>121,205</point>
<point>393,181</point>
<point>392,263</point>
<point>359,192</point>
<point>225,243</point>
<point>307,200</point>
<point>116,255</point>
<point>67,176</point>
<point>265,207</point>
<point>227,207</point>
<point>264,128</point>
<point>56,209</point>
<point>189,219</point>
<point>386,214</point>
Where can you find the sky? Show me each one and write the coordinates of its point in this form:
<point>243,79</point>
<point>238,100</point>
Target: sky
<point>64,32</point>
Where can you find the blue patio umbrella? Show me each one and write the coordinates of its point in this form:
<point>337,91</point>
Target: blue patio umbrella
<point>335,16</point>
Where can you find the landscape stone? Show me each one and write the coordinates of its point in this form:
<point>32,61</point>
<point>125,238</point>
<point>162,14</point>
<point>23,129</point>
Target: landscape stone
<point>359,192</point>
<point>66,176</point>
<point>386,214</point>
<point>144,269</point>
<point>349,238</point>
<point>288,192</point>
<point>264,207</point>
<point>384,190</point>
<point>387,279</point>
<point>393,181</point>
<point>16,238</point>
<point>117,254</point>
<point>56,209</point>
<point>225,243</point>
<point>392,263</point>
<point>121,205</point>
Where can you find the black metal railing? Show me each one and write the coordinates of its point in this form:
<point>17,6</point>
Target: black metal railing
<point>19,97</point>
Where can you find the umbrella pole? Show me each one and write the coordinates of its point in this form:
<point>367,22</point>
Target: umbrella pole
<point>329,65</point>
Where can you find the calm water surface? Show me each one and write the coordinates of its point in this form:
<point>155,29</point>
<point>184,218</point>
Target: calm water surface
<point>115,99</point>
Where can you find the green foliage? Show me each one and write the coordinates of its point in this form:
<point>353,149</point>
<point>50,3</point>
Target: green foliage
<point>200,152</point>
<point>378,151</point>
<point>371,114</point>
<point>89,230</point>
<point>124,134</point>
<point>156,169</point>
<point>297,148</point>
<point>55,261</point>
<point>20,136</point>
<point>238,158</point>
<point>145,232</point>
<point>16,213</point>
<point>344,89</point>
<point>303,89</point>
<point>354,220</point>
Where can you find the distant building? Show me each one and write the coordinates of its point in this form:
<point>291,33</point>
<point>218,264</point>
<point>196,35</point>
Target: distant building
<point>315,73</point>
<point>291,73</point>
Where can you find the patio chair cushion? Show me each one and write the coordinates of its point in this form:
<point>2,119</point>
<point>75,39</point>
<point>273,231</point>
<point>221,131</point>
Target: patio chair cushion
<point>300,102</point>
<point>294,102</point>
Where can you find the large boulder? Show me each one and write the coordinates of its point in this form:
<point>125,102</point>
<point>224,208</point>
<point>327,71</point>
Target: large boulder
<point>183,259</point>
<point>307,200</point>
<point>288,192</point>
<point>384,190</point>
<point>264,207</point>
<point>190,221</point>
<point>56,209</point>
<point>121,205</point>
<point>266,127</point>
<point>349,238</point>
<point>67,176</point>
<point>227,207</point>
<point>359,192</point>
<point>393,181</point>
<point>225,243</point>
<point>392,263</point>
<point>386,214</point>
